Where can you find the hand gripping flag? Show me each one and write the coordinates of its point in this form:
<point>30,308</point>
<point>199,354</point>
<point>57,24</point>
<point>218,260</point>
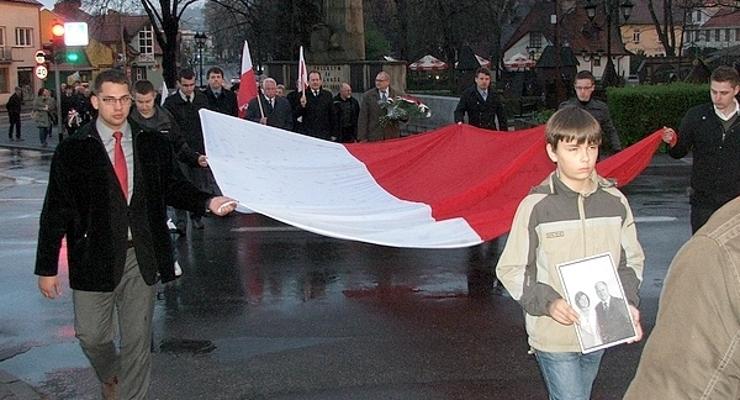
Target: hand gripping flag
<point>452,187</point>
<point>247,83</point>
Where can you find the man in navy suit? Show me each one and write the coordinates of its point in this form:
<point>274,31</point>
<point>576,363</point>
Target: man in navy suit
<point>277,110</point>
<point>482,106</point>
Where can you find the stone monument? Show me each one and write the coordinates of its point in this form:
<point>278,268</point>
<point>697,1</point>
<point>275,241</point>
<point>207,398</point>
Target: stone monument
<point>341,37</point>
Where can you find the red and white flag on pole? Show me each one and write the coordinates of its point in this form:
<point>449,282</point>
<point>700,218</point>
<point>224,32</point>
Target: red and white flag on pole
<point>247,83</point>
<point>302,72</point>
<point>453,187</point>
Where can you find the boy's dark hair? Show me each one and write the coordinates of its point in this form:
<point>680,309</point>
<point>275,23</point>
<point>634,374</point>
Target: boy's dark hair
<point>216,70</point>
<point>143,87</point>
<point>725,74</point>
<point>572,123</point>
<point>586,75</point>
<point>484,71</point>
<point>186,74</point>
<point>109,75</point>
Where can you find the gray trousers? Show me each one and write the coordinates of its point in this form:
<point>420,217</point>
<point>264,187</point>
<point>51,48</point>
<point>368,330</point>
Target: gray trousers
<point>95,328</point>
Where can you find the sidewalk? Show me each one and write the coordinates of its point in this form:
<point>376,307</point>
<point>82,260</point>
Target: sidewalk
<point>30,136</point>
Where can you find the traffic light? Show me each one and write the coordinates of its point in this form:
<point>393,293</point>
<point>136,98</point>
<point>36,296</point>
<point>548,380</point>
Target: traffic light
<point>56,48</point>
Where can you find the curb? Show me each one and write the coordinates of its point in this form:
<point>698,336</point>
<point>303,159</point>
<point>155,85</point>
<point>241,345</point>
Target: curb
<point>12,388</point>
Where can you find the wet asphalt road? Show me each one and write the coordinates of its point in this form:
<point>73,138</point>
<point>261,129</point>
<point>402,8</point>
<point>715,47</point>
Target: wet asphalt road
<point>266,311</point>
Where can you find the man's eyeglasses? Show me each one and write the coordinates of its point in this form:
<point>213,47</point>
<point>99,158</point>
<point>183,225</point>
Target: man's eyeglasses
<point>584,87</point>
<point>109,101</point>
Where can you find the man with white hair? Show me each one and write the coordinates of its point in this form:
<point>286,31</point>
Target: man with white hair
<point>272,110</point>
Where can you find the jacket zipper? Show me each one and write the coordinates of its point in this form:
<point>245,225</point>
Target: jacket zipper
<point>582,215</point>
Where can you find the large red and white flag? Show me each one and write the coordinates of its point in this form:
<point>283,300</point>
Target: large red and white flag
<point>302,72</point>
<point>247,83</point>
<point>452,187</point>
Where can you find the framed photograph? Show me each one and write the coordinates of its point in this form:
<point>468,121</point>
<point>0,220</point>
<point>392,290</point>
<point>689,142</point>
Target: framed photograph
<point>592,287</point>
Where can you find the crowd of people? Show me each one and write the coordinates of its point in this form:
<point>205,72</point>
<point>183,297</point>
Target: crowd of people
<point>119,247</point>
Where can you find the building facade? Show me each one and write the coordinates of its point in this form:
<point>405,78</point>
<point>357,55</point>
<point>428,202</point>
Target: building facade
<point>19,41</point>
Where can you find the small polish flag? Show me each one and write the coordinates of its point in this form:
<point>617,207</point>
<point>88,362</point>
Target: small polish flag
<point>165,93</point>
<point>247,84</point>
<point>456,186</point>
<point>302,72</point>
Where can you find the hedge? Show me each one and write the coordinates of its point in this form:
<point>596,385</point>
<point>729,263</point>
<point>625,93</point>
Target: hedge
<point>638,111</point>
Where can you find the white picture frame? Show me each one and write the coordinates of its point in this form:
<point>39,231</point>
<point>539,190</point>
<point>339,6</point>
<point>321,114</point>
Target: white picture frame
<point>592,287</point>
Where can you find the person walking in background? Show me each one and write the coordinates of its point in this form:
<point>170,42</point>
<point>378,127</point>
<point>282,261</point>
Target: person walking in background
<point>14,114</point>
<point>481,104</point>
<point>573,203</point>
<point>711,132</point>
<point>220,99</point>
<point>584,85</point>
<point>315,108</point>
<point>43,111</point>
<point>108,188</point>
<point>345,113</point>
<point>184,105</point>
<point>276,109</point>
<point>369,128</point>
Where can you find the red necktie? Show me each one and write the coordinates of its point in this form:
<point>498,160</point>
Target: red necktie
<point>119,164</point>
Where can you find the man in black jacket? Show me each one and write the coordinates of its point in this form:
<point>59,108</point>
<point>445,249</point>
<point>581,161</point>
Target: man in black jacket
<point>712,133</point>
<point>345,113</point>
<point>184,105</point>
<point>220,99</point>
<point>14,114</point>
<point>482,105</point>
<point>108,187</point>
<point>273,110</point>
<point>315,108</point>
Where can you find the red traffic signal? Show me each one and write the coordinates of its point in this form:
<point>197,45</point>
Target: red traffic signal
<point>57,30</point>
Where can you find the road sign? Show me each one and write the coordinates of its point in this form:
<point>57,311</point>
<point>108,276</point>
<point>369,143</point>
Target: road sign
<point>41,71</point>
<point>40,56</point>
<point>75,34</point>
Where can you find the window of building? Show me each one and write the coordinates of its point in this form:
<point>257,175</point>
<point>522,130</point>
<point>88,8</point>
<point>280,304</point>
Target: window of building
<point>698,16</point>
<point>4,80</point>
<point>139,73</point>
<point>716,35</point>
<point>146,40</point>
<point>737,34</point>
<point>2,36</point>
<point>24,37</point>
<point>707,35</point>
<point>636,36</point>
<point>727,35</point>
<point>535,40</point>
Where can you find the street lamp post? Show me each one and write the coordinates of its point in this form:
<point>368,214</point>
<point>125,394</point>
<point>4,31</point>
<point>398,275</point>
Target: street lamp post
<point>610,75</point>
<point>200,41</point>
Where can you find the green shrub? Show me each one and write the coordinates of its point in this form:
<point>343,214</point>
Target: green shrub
<point>638,111</point>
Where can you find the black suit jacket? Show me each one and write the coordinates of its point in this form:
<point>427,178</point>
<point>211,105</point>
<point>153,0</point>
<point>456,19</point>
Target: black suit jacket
<point>187,117</point>
<point>280,116</point>
<point>225,103</point>
<point>84,203</point>
<point>481,113</point>
<point>317,114</point>
<point>614,324</point>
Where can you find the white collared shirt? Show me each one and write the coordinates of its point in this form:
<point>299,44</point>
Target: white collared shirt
<point>727,118</point>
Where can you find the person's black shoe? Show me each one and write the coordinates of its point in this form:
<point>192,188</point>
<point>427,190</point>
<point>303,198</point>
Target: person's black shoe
<point>197,223</point>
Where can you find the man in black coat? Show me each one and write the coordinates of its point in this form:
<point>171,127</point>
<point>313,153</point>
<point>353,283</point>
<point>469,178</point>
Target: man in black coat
<point>184,105</point>
<point>482,106</point>
<point>108,187</point>
<point>276,109</point>
<point>345,113</point>
<point>220,99</point>
<point>711,132</point>
<point>315,108</point>
<point>14,114</point>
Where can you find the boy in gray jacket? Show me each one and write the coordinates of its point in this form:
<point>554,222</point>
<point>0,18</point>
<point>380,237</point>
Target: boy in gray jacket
<point>573,214</point>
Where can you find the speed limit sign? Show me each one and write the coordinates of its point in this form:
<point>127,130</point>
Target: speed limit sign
<point>41,71</point>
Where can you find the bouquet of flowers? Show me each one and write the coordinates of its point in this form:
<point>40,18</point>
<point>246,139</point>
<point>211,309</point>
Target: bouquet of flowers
<point>401,108</point>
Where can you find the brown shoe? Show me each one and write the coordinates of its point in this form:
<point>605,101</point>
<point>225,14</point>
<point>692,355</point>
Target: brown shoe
<point>109,389</point>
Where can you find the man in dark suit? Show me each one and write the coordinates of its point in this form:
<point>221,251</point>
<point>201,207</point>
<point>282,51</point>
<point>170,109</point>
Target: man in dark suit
<point>184,105</point>
<point>482,106</point>
<point>368,125</point>
<point>611,315</point>
<point>276,109</point>
<point>345,112</point>
<point>220,99</point>
<point>315,108</point>
<point>108,187</point>
<point>14,114</point>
